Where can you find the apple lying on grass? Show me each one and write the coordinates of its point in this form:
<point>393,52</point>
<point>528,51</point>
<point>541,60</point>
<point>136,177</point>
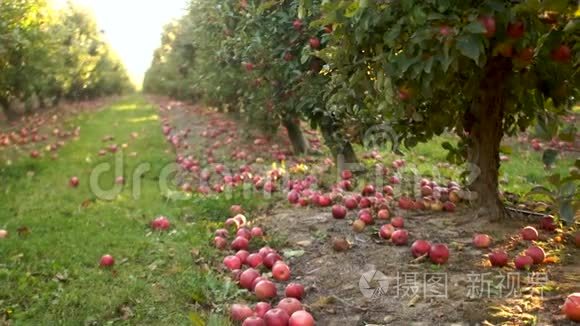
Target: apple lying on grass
<point>3,234</point>
<point>265,290</point>
<point>107,261</point>
<point>523,262</point>
<point>239,312</point>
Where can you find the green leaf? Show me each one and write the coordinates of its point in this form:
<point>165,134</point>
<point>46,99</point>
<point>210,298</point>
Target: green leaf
<point>469,46</point>
<point>555,5</point>
<point>567,212</point>
<point>549,157</point>
<point>540,190</point>
<point>293,253</point>
<point>447,145</point>
<point>475,28</point>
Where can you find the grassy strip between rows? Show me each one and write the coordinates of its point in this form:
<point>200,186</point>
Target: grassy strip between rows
<point>49,273</point>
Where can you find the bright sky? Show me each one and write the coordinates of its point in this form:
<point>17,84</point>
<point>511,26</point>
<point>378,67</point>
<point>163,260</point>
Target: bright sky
<point>133,27</point>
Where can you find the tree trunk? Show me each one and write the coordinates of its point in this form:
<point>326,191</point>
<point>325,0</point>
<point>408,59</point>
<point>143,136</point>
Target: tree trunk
<point>342,151</point>
<point>8,113</point>
<point>299,144</point>
<point>484,123</point>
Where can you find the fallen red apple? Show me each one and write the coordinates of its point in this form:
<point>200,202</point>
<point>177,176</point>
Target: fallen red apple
<point>571,307</point>
<point>449,206</point>
<point>295,290</point>
<point>394,180</point>
<point>220,242</point>
<point>400,237</point>
<point>254,321</point>
<point>358,226</point>
<point>3,234</point>
<point>350,203</point>
<point>420,248</point>
<point>281,271</point>
<point>236,209</point>
<point>290,305</point>
<point>324,201</point>
<point>161,223</point>
<point>261,308</point>
<point>383,214</point>
<point>367,218</point>
<point>529,233</point>
<point>346,174</point>
<point>271,259</point>
<point>498,258</point>
<point>276,317</point>
<point>293,197</point>
<point>301,318</point>
<point>405,203</point>
<point>368,190</point>
<point>256,232</point>
<point>240,243</point>
<point>235,274</point>
<point>74,182</point>
<point>523,262</point>
<point>232,262</point>
<point>398,222</point>
<point>386,231</point>
<point>254,260</point>
<point>481,241</point>
<point>339,211</point>
<point>439,253</point>
<point>388,190</point>
<point>247,278</point>
<point>265,290</point>
<point>245,233</point>
<point>536,253</point>
<point>365,202</point>
<point>547,223</point>
<point>426,191</point>
<point>243,255</point>
<point>239,312</point>
<point>107,261</point>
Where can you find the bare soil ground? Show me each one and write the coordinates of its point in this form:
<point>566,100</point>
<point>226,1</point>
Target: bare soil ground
<point>377,283</point>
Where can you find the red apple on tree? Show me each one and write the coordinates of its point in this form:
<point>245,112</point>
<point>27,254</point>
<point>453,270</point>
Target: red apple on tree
<point>488,23</point>
<point>516,29</point>
<point>314,43</point>
<point>561,54</point>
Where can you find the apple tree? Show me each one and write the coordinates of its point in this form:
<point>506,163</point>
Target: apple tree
<point>481,69</point>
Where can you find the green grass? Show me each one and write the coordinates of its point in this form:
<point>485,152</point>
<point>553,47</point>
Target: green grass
<point>519,174</point>
<point>51,275</point>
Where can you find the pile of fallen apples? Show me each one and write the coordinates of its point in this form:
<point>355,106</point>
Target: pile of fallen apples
<point>246,268</point>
